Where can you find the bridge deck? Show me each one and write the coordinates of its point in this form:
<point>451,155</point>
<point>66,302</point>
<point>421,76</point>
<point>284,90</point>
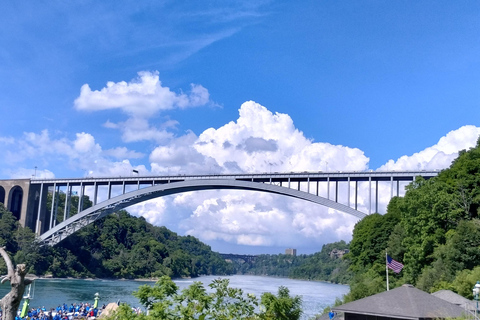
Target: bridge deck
<point>114,193</point>
<point>258,177</point>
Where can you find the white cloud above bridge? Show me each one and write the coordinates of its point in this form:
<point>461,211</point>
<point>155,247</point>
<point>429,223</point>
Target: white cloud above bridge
<point>438,156</point>
<point>258,141</point>
<point>140,99</point>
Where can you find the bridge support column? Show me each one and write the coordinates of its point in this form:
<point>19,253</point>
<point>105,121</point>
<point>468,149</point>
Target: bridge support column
<point>57,202</point>
<point>38,223</point>
<point>356,195</point>
<point>54,195</point>
<point>369,195</point>
<point>68,196</point>
<point>80,198</point>
<point>41,225</point>
<point>391,187</point>
<point>95,194</point>
<point>348,191</point>
<point>328,188</point>
<point>336,191</point>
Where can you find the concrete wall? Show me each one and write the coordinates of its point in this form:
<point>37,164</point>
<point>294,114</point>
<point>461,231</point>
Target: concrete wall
<point>9,186</point>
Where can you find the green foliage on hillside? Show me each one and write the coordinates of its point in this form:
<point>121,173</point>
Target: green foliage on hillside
<point>434,230</point>
<point>118,246</point>
<point>318,266</point>
<point>321,266</point>
<point>278,265</point>
<point>20,244</point>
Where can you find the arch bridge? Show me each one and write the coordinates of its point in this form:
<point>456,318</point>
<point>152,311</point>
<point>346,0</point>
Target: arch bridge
<point>56,208</point>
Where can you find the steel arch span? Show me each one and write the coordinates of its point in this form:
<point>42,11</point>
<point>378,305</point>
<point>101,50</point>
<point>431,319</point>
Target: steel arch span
<point>98,211</point>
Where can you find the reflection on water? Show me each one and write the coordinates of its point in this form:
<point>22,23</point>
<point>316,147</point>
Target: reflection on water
<point>52,292</point>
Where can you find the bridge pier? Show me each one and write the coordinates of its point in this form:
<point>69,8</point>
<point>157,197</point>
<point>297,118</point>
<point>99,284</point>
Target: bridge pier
<point>22,199</point>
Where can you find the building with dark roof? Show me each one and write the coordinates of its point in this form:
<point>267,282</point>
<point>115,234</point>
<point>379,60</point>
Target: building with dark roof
<point>455,298</point>
<point>405,302</point>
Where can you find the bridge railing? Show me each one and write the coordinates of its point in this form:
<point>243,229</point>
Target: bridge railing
<point>40,218</point>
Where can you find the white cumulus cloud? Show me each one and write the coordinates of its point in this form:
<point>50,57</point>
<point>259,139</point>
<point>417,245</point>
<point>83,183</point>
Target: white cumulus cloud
<point>141,97</point>
<point>82,153</point>
<point>438,156</point>
<point>258,141</point>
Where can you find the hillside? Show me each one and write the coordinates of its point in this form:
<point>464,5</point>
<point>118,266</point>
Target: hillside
<point>318,266</point>
<point>434,230</point>
<point>117,246</point>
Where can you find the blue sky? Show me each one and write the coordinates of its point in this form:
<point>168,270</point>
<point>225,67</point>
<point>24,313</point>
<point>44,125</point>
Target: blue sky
<point>336,85</point>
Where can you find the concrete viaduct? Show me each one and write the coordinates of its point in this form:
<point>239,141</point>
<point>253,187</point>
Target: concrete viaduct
<point>56,208</point>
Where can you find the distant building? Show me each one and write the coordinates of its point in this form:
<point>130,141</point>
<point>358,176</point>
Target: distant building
<point>338,254</point>
<point>291,252</point>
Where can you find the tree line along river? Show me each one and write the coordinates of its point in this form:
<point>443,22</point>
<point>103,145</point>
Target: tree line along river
<point>52,292</point>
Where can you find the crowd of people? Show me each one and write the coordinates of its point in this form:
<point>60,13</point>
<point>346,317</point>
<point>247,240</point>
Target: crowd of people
<point>75,311</point>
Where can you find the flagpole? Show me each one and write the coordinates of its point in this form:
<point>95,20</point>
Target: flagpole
<point>386,267</point>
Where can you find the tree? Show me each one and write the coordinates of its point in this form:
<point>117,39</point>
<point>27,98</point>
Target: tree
<point>122,246</point>
<point>365,284</point>
<point>11,301</point>
<point>163,301</point>
<point>435,233</point>
<point>8,225</point>
<point>370,239</point>
<point>282,306</point>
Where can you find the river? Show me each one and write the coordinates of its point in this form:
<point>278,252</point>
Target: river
<point>52,292</point>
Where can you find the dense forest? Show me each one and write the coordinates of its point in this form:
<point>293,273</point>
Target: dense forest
<point>434,230</point>
<point>117,246</point>
<point>318,266</point>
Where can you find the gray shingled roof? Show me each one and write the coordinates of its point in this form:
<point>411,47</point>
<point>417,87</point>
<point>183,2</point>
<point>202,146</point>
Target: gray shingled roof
<point>405,302</point>
<point>455,298</point>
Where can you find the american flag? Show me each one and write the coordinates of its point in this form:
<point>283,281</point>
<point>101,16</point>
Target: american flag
<point>394,265</point>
